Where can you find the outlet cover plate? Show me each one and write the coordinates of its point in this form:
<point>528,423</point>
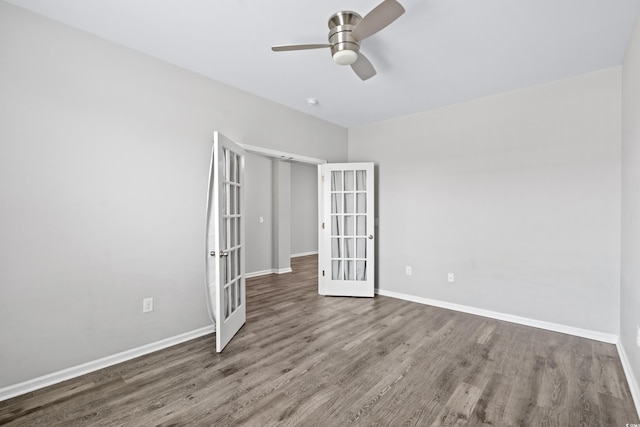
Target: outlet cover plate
<point>147,305</point>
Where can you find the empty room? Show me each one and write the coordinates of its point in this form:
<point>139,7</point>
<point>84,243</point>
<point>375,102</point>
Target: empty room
<point>374,212</point>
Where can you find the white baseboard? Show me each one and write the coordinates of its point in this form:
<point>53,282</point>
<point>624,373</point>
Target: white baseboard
<point>266,272</point>
<point>260,273</point>
<point>304,254</point>
<point>556,327</point>
<point>85,368</point>
<point>628,372</point>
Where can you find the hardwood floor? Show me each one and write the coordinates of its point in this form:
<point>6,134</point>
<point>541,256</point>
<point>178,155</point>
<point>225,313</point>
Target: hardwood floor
<point>308,360</point>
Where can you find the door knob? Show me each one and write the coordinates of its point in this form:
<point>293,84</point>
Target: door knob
<point>370,236</point>
<point>222,254</point>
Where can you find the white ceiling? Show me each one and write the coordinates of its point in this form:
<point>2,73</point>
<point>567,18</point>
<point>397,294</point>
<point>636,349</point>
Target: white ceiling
<point>438,53</point>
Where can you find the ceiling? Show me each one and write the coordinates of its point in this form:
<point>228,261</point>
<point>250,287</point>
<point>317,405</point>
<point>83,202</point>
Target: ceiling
<point>438,53</point>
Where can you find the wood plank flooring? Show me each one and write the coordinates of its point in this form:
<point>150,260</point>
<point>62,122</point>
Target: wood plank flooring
<point>308,360</point>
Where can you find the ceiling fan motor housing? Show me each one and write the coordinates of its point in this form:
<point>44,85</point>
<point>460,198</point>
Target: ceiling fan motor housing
<point>344,47</point>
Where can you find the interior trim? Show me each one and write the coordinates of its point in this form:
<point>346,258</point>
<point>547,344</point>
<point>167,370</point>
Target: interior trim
<point>304,254</point>
<point>86,368</point>
<point>282,155</point>
<point>628,372</point>
<point>556,327</point>
<point>266,272</point>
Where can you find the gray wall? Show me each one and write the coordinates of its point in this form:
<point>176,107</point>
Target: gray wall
<point>258,203</point>
<point>518,194</point>
<point>281,216</point>
<point>630,286</point>
<point>104,159</point>
<point>304,208</point>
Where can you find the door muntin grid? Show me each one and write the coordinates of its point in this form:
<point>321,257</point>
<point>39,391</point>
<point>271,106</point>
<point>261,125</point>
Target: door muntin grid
<point>349,225</point>
<point>230,234</point>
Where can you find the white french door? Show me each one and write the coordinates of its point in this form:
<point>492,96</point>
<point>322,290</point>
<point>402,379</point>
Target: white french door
<point>225,239</point>
<point>346,244</point>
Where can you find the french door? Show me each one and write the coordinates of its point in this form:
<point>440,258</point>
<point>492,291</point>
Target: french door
<point>346,244</point>
<point>225,239</point>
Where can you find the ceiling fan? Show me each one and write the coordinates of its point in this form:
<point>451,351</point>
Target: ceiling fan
<point>347,29</point>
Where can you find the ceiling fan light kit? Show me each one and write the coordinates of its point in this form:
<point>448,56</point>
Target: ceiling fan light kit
<point>344,47</point>
<point>345,57</point>
<point>347,29</point>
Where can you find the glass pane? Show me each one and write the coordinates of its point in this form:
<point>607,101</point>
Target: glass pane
<point>336,273</point>
<point>223,234</point>
<point>336,203</point>
<point>232,232</point>
<point>237,177</point>
<point>336,181</point>
<point>232,167</point>
<point>239,293</point>
<point>233,297</point>
<point>361,248</point>
<point>361,225</point>
<point>361,270</point>
<point>336,248</point>
<point>348,203</point>
<point>225,199</point>
<point>349,181</point>
<point>238,199</point>
<point>361,202</point>
<point>225,303</point>
<point>237,231</point>
<point>232,200</point>
<point>335,225</point>
<point>349,225</point>
<point>224,162</point>
<point>232,265</point>
<point>361,180</point>
<point>224,270</point>
<point>349,273</point>
<point>348,248</point>
<point>238,268</point>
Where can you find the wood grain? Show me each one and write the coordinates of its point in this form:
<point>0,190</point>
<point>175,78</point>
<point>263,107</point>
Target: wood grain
<point>307,360</point>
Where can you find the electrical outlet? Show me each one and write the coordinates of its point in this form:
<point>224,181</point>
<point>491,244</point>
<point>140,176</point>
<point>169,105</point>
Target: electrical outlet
<point>261,219</point>
<point>147,305</point>
<point>407,270</point>
<point>450,278</point>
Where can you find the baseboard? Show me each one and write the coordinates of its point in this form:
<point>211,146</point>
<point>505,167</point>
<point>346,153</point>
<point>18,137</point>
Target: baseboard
<point>304,254</point>
<point>260,273</point>
<point>556,327</point>
<point>628,372</point>
<point>86,368</point>
<point>266,272</point>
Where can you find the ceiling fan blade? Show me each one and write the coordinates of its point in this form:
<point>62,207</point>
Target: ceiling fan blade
<point>379,17</point>
<point>298,47</point>
<point>363,68</point>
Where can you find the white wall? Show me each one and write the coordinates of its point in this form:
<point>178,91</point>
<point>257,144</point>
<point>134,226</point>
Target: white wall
<point>518,194</point>
<point>630,282</point>
<point>104,158</point>
<point>304,208</point>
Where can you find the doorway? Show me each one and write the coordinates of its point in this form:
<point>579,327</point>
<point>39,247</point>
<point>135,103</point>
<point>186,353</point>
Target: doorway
<point>281,209</point>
